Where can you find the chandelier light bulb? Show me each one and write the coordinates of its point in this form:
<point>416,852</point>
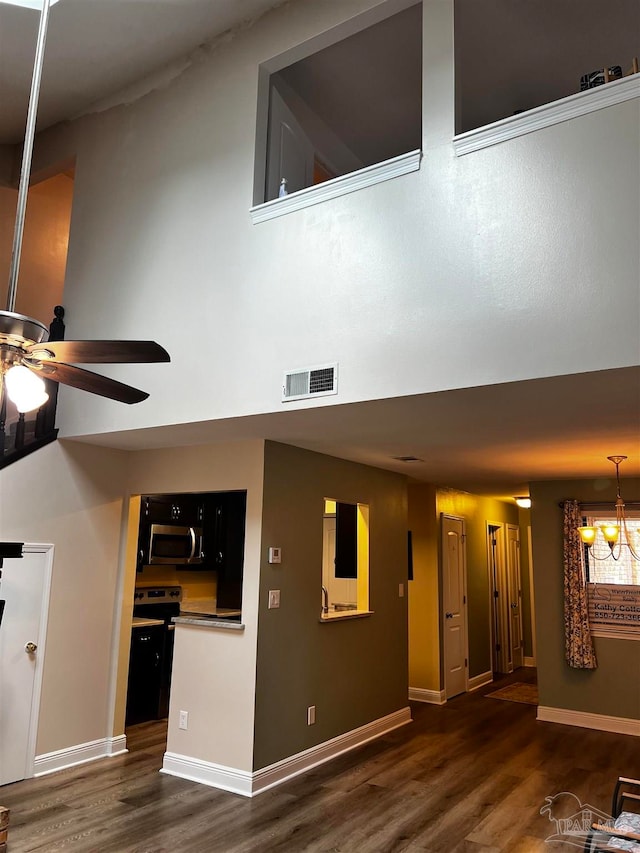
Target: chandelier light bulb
<point>25,389</point>
<point>588,535</point>
<point>610,533</point>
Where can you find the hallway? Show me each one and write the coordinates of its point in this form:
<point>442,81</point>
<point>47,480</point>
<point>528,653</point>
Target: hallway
<point>471,775</point>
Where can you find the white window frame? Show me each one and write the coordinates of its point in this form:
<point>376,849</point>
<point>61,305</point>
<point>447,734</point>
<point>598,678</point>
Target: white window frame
<point>603,590</point>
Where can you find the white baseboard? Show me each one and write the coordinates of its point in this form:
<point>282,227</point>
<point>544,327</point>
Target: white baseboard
<point>433,697</point>
<point>479,681</point>
<point>208,773</point>
<point>586,720</point>
<point>116,745</point>
<point>49,762</point>
<point>529,661</point>
<point>249,784</point>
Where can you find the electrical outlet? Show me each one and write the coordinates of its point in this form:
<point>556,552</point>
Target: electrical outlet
<point>274,598</point>
<point>400,590</point>
<point>311,715</point>
<point>183,720</point>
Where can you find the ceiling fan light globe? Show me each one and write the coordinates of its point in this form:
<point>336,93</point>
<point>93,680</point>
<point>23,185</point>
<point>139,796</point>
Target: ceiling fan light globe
<point>26,390</point>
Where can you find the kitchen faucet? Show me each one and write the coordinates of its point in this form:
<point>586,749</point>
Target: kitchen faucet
<point>325,600</point>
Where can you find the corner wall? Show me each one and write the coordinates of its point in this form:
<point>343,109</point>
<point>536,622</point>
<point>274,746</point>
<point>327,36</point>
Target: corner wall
<point>477,511</point>
<point>213,671</point>
<point>354,671</point>
<point>424,591</point>
<point>71,495</point>
<point>611,689</point>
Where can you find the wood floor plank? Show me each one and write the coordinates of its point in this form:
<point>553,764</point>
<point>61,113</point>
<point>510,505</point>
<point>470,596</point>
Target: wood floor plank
<point>467,777</point>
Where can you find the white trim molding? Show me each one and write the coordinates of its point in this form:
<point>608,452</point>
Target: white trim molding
<point>587,720</point>
<point>574,106</point>
<point>479,681</point>
<point>61,759</point>
<point>208,773</point>
<point>401,165</point>
<point>249,784</point>
<point>116,745</point>
<point>433,697</point>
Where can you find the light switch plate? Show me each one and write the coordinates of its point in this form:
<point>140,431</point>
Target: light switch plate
<point>400,590</point>
<point>274,598</point>
<point>275,554</point>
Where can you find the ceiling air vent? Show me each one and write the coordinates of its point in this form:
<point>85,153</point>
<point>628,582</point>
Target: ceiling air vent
<point>309,382</point>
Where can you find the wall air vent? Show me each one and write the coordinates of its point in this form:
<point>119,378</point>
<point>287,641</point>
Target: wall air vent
<point>307,382</point>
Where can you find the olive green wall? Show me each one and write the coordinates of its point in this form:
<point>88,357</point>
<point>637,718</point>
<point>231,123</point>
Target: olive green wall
<point>477,511</point>
<point>613,688</point>
<point>524,517</point>
<point>424,609</point>
<point>354,671</point>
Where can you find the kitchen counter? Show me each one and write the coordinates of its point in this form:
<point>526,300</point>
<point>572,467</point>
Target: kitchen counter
<point>145,622</point>
<point>206,607</point>
<point>210,621</point>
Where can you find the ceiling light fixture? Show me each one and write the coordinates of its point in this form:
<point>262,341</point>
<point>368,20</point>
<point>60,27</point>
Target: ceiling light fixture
<point>25,389</point>
<point>523,501</point>
<point>614,534</point>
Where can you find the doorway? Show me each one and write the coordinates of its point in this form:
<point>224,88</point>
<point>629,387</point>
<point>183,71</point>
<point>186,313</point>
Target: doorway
<point>503,556</point>
<point>25,588</point>
<point>454,606</point>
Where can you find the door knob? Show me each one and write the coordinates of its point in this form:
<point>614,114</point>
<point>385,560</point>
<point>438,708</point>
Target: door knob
<point>30,648</point>
<point>448,615</point>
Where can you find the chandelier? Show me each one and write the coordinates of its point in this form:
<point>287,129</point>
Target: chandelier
<point>616,535</point>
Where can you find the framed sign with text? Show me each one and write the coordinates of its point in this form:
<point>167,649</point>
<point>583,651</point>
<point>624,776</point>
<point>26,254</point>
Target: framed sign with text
<point>614,608</point>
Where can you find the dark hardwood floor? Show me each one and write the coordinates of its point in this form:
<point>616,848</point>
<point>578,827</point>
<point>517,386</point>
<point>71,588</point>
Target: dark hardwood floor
<point>471,775</point>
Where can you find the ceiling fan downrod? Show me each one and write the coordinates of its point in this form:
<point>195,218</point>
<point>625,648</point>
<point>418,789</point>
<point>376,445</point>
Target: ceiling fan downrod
<point>27,153</point>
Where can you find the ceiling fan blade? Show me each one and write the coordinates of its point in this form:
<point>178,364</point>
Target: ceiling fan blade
<point>99,352</point>
<point>85,380</point>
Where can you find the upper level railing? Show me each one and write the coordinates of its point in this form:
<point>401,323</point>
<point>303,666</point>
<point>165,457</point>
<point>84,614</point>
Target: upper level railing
<point>21,434</point>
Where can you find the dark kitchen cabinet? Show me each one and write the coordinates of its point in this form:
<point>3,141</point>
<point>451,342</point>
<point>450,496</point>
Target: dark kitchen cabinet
<point>145,674</point>
<point>172,509</point>
<point>224,531</point>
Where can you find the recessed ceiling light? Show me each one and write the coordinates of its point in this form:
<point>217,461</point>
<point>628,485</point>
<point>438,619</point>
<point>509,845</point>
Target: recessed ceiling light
<point>28,4</point>
<point>407,459</point>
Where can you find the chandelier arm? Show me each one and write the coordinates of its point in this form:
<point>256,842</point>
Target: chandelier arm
<point>27,153</point>
<point>634,554</point>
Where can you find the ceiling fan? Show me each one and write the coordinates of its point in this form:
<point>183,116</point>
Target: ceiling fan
<point>26,355</point>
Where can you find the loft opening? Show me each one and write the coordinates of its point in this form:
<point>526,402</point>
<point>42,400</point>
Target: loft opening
<point>344,101</point>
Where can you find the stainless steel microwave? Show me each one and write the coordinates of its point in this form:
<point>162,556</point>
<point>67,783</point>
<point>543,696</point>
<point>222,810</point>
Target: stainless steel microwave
<point>175,545</point>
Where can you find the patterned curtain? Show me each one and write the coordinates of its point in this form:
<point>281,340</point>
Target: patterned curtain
<point>579,651</point>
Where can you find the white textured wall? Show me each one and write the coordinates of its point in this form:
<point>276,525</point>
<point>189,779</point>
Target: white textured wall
<point>498,266</point>
<point>213,671</point>
<point>71,496</point>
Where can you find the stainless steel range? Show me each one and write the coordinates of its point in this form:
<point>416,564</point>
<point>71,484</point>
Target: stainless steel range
<point>151,654</point>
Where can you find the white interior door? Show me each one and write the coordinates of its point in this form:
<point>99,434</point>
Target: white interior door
<point>454,601</point>
<point>25,589</point>
<point>515,595</point>
<point>500,626</point>
<point>290,152</point>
